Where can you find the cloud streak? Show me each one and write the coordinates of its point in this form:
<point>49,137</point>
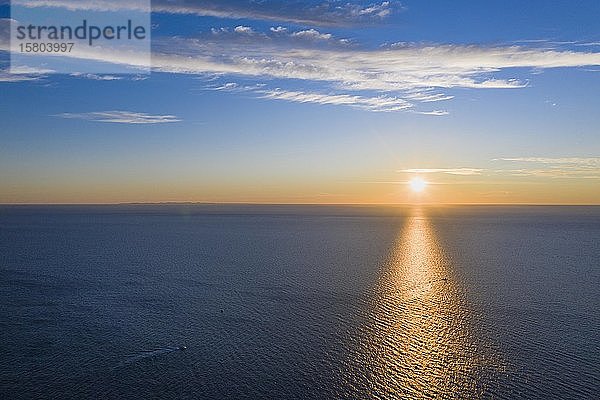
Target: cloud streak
<point>409,75</point>
<point>121,117</point>
<point>560,167</point>
<point>8,77</point>
<point>591,162</point>
<point>313,12</point>
<point>415,74</point>
<point>377,104</point>
<point>450,171</point>
<point>533,167</point>
<point>408,68</point>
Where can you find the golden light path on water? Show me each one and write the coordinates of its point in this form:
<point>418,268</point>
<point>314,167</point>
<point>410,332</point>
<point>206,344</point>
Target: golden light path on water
<point>418,339</point>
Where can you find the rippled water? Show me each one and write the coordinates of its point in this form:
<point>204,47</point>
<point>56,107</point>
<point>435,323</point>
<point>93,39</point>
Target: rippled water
<point>299,302</point>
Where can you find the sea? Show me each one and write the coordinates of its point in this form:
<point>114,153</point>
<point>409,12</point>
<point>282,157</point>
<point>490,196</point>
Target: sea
<point>206,301</point>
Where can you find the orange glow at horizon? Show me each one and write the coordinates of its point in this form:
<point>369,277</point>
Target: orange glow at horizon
<point>366,189</point>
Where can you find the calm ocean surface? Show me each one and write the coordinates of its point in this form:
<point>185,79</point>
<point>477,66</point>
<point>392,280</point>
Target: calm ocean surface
<point>290,302</point>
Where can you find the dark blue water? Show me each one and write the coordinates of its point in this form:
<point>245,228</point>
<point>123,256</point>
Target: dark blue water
<point>299,302</point>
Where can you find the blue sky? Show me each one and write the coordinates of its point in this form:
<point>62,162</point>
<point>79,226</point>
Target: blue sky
<point>319,101</point>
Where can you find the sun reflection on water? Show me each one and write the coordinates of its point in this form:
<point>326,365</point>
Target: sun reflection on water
<point>419,340</point>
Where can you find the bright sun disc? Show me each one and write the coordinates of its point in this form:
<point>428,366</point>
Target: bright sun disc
<point>417,184</point>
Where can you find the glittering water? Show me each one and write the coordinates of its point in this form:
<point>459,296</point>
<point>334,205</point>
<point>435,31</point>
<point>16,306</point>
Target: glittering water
<point>299,302</point>
<point>419,340</point>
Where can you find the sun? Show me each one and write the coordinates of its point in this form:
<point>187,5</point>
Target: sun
<point>417,184</point>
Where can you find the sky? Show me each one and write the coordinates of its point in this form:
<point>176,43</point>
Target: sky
<point>316,102</point>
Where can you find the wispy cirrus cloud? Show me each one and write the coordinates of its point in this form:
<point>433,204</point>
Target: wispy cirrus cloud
<point>558,167</point>
<point>373,103</point>
<point>414,73</point>
<point>121,117</point>
<point>276,36</point>
<point>5,77</point>
<point>409,67</point>
<point>8,76</point>
<point>314,12</point>
<point>312,34</point>
<point>566,173</point>
<point>22,74</point>
<point>523,167</point>
<point>97,77</point>
<point>437,113</point>
<point>377,104</point>
<point>451,171</point>
<point>574,161</point>
<point>236,87</point>
<point>427,96</point>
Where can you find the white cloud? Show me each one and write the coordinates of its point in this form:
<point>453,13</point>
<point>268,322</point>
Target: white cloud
<point>26,70</point>
<point>437,113</point>
<point>279,29</point>
<point>6,77</point>
<point>417,74</point>
<point>121,117</point>
<point>227,86</point>
<point>380,10</point>
<point>312,34</point>
<point>22,74</point>
<point>399,69</point>
<point>97,77</point>
<point>378,104</point>
<point>243,29</point>
<point>236,87</point>
<point>324,12</point>
<point>427,96</point>
<point>411,73</point>
<point>217,31</point>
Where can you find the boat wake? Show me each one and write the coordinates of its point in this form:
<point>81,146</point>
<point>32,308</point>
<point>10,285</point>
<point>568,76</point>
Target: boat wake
<point>133,358</point>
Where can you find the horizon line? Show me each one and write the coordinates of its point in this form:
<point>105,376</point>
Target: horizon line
<point>297,204</point>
